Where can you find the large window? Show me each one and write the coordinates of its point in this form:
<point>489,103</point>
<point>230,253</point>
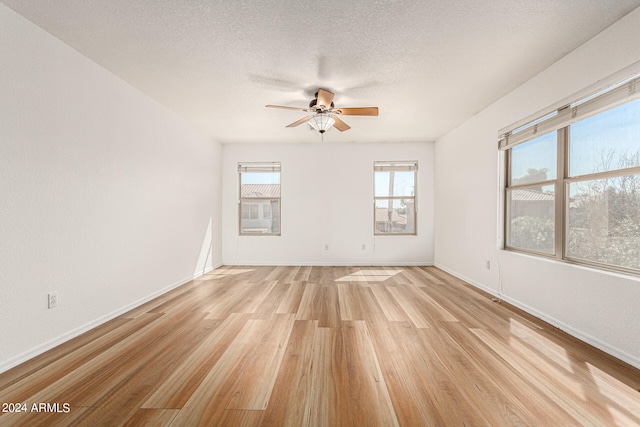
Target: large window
<point>573,181</point>
<point>395,197</point>
<point>259,202</point>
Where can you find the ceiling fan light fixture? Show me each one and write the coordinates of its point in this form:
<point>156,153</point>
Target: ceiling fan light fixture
<point>321,122</point>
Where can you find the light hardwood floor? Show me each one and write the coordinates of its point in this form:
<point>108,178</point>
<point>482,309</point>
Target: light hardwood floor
<point>325,346</point>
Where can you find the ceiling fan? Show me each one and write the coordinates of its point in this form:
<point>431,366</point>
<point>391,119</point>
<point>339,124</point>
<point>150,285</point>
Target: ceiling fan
<point>325,114</point>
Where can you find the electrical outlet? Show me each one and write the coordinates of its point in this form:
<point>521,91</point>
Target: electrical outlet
<point>488,265</point>
<point>326,246</point>
<point>52,299</point>
<point>364,247</point>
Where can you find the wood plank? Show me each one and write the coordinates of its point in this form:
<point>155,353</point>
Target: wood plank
<point>244,376</point>
<point>411,400</point>
<point>283,274</point>
<point>254,384</point>
<point>152,417</point>
<point>483,378</point>
<point>320,302</point>
<point>291,393</point>
<point>208,402</point>
<point>90,343</point>
<point>185,379</point>
<point>329,399</point>
<point>68,365</point>
<point>561,385</point>
<point>454,405</point>
<point>290,302</point>
<point>392,309</point>
<point>101,378</point>
<point>416,313</point>
<point>349,301</point>
<point>115,391</point>
<point>241,418</point>
<point>156,302</point>
<point>271,303</point>
<point>369,397</point>
<point>303,274</point>
<point>312,388</point>
<point>244,298</point>
<point>416,277</point>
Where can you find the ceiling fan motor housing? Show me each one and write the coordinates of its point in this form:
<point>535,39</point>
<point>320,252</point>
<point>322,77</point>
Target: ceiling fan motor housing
<point>314,102</point>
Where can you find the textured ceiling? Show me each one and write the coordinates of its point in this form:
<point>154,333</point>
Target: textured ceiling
<point>428,65</point>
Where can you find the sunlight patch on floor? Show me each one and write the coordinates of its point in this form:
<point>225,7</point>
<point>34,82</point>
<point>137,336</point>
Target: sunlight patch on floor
<point>624,407</point>
<point>621,418</point>
<point>369,276</point>
<point>552,351</point>
<point>226,272</point>
<point>558,364</point>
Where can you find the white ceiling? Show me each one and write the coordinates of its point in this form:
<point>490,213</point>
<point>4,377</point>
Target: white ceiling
<point>428,65</point>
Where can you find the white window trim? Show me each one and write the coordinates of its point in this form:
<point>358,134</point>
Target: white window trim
<point>258,167</point>
<point>397,166</point>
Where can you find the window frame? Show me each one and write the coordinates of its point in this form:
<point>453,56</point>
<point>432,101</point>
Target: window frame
<point>395,166</point>
<point>259,167</point>
<point>529,131</point>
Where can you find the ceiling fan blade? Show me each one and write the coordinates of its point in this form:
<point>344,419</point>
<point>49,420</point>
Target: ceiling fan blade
<point>299,122</point>
<point>287,108</point>
<point>325,98</point>
<point>340,125</point>
<point>362,111</point>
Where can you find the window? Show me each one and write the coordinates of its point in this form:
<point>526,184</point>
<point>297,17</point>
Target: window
<point>531,195</point>
<point>395,197</point>
<point>603,221</point>
<point>250,210</point>
<point>573,181</point>
<point>259,202</point>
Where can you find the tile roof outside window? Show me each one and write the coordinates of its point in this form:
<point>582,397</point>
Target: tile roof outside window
<point>260,190</point>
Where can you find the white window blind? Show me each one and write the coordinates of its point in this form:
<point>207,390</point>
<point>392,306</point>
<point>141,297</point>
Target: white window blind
<point>259,167</point>
<point>619,93</point>
<point>395,167</point>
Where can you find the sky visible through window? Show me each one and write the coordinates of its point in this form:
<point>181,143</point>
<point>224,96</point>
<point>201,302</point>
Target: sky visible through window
<point>260,178</point>
<point>605,137</point>
<point>538,153</point>
<point>402,184</point>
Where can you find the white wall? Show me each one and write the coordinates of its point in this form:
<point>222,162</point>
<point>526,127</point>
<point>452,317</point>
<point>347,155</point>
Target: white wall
<point>105,197</point>
<point>327,198</point>
<point>598,307</point>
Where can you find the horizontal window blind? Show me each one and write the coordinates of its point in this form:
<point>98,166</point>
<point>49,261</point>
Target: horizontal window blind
<point>395,166</point>
<point>259,167</point>
<point>619,93</point>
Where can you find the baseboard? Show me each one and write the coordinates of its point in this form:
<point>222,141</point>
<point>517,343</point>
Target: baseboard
<point>30,354</point>
<point>581,335</point>
<point>335,264</point>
